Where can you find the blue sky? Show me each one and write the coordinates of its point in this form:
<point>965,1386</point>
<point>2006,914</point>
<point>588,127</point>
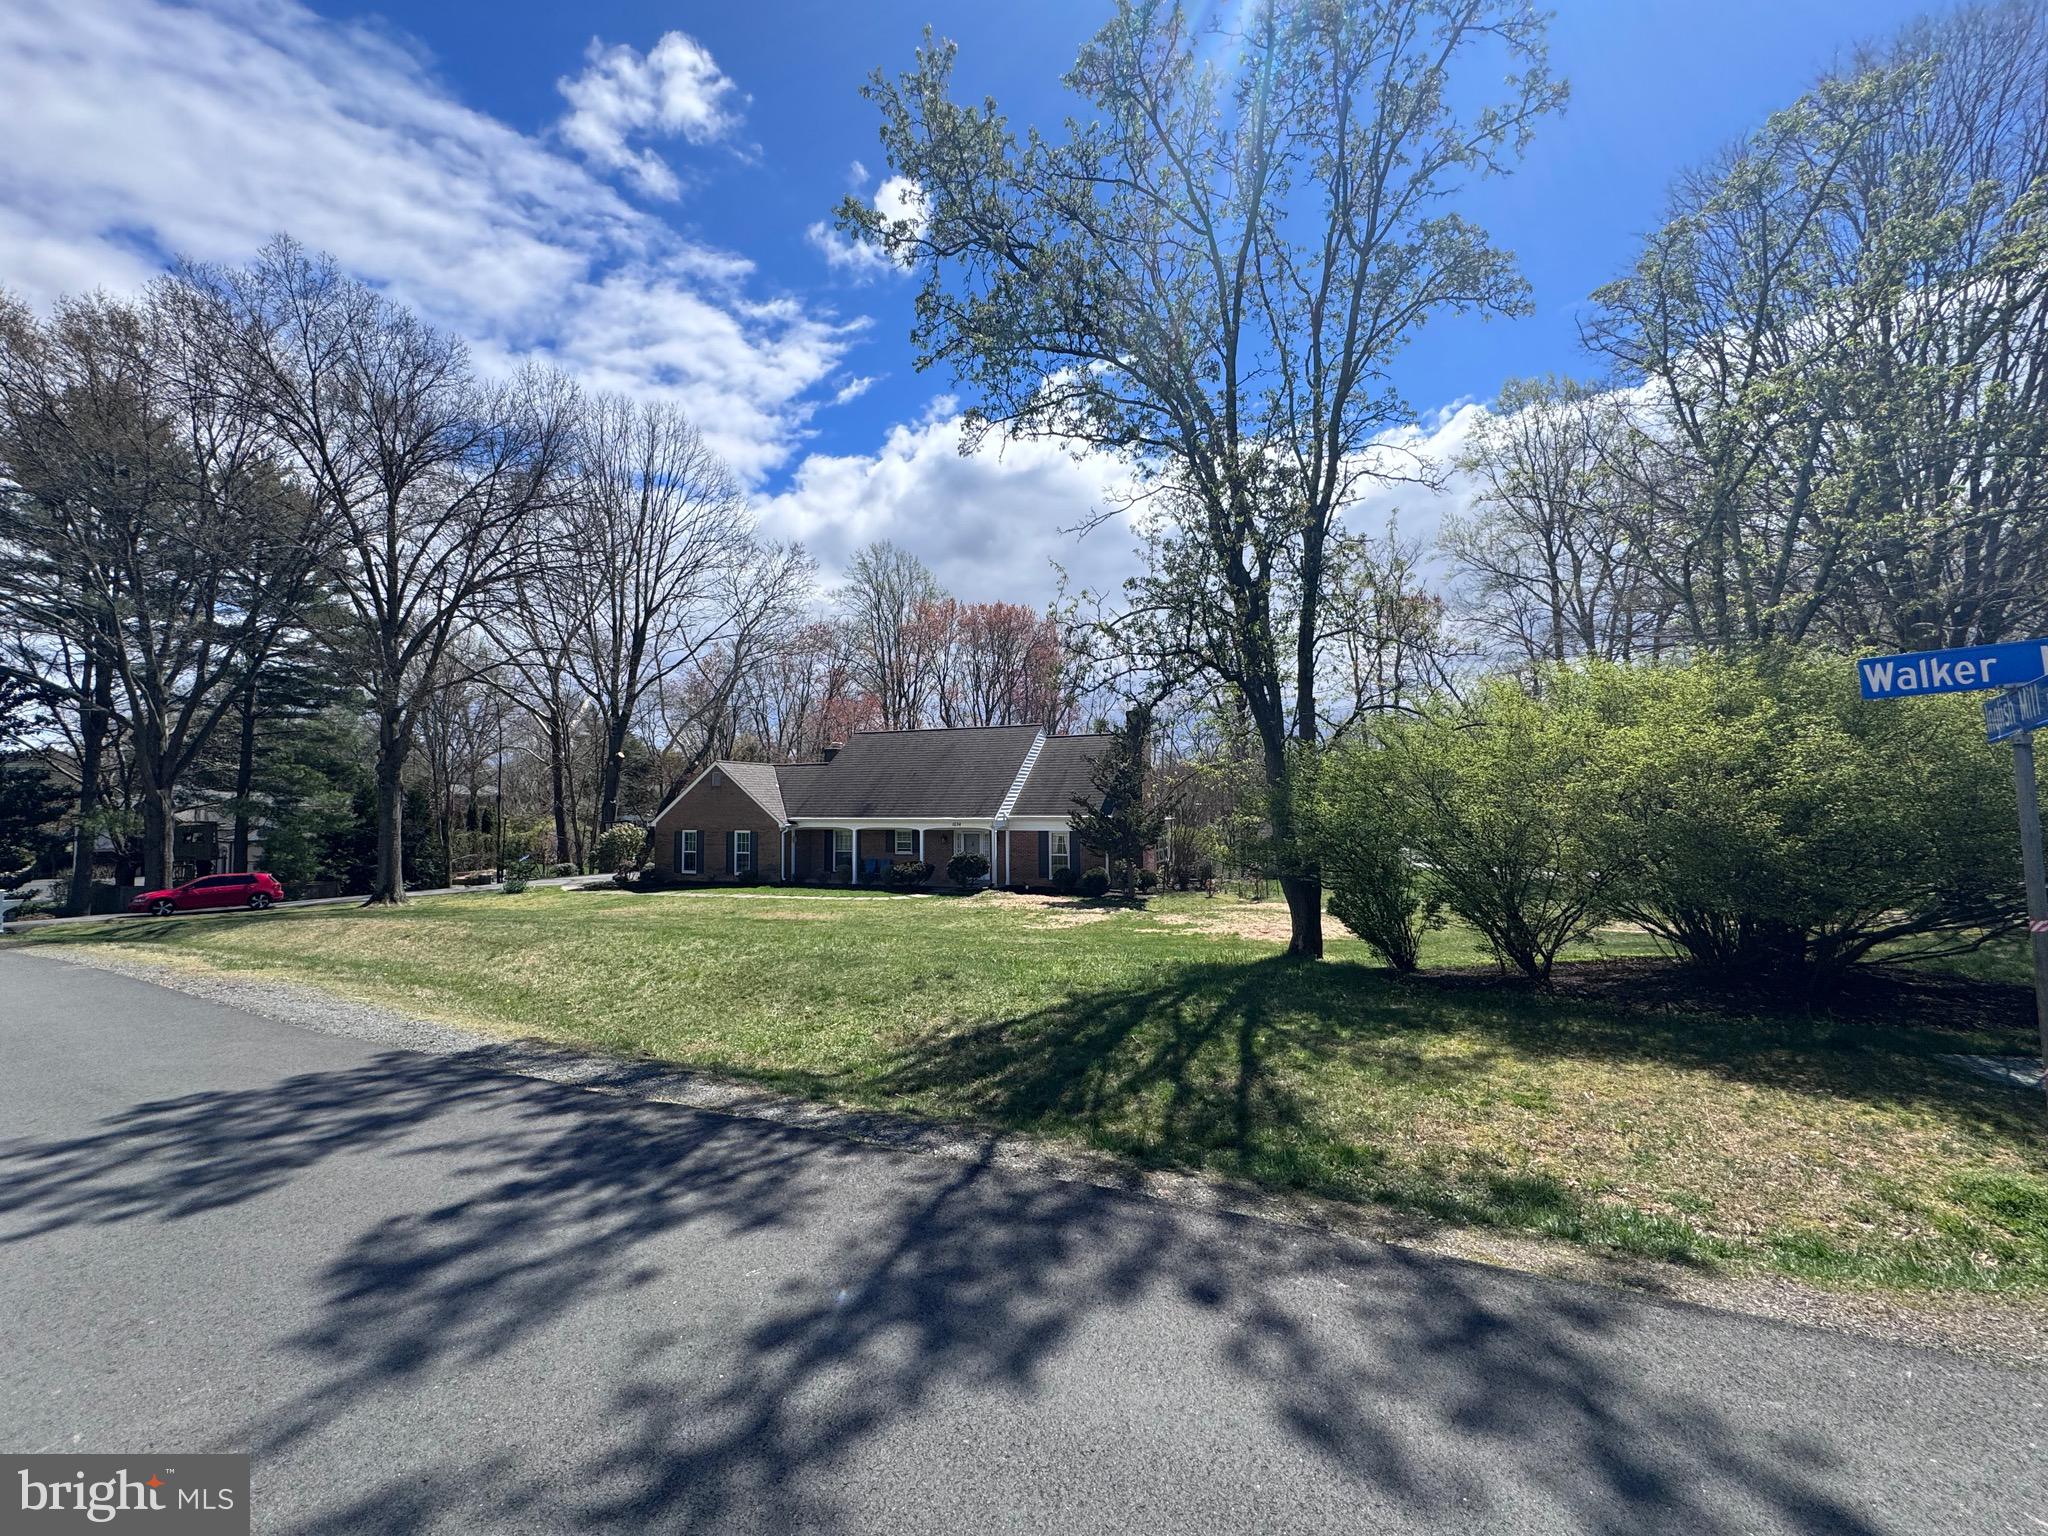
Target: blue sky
<point>631,190</point>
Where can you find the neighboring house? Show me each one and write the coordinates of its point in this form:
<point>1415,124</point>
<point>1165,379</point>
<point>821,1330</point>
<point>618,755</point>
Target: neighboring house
<point>1006,792</point>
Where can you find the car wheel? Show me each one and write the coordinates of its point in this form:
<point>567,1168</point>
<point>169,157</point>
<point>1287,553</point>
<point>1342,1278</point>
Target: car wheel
<point>162,908</point>
<point>259,901</point>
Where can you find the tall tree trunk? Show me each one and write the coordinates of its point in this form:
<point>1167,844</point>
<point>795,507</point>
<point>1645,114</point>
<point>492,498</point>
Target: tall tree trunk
<point>92,737</point>
<point>388,889</point>
<point>245,780</point>
<point>609,773</point>
<point>159,829</point>
<point>558,791</point>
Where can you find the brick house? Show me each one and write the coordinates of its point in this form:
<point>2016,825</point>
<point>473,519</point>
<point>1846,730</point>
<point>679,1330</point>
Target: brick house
<point>1005,792</point>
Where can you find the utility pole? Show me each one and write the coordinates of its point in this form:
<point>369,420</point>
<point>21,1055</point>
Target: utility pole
<point>2037,880</point>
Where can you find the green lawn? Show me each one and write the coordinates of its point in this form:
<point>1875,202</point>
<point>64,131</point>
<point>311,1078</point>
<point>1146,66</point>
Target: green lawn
<point>1619,1109</point>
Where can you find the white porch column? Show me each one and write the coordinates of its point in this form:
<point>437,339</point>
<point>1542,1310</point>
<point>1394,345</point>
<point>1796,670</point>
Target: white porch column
<point>852,856</point>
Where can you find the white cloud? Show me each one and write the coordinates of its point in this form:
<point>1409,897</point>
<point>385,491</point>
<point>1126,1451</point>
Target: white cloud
<point>136,131</point>
<point>856,177</point>
<point>675,89</point>
<point>898,199</point>
<point>994,524</point>
<point>991,524</point>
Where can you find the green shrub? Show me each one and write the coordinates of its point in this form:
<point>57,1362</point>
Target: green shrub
<point>617,848</point>
<point>1064,877</point>
<point>513,885</point>
<point>1093,882</point>
<point>906,874</point>
<point>1147,879</point>
<point>1502,798</point>
<point>1360,830</point>
<point>564,868</point>
<point>1768,820</point>
<point>966,869</point>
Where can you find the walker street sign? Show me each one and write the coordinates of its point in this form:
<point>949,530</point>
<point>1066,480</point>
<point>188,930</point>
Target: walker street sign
<point>1957,671</point>
<point>2017,709</point>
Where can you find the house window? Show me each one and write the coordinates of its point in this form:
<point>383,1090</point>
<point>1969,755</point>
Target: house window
<point>971,842</point>
<point>1062,858</point>
<point>686,852</point>
<point>842,848</point>
<point>742,852</point>
<point>906,841</point>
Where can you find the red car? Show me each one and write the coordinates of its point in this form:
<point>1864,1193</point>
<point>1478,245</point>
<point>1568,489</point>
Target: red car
<point>254,890</point>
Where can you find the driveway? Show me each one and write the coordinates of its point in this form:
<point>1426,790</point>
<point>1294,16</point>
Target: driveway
<point>431,1296</point>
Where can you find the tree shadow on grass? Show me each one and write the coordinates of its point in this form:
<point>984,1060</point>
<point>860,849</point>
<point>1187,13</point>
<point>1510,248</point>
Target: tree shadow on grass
<point>951,1343</point>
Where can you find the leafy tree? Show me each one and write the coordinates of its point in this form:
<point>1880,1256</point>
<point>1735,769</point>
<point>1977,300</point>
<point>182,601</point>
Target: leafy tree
<point>1120,820</point>
<point>1209,273</point>
<point>1837,417</point>
<point>30,799</point>
<point>147,528</point>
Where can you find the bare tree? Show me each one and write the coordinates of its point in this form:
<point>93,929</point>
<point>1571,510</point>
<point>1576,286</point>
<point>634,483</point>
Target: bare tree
<point>1550,555</point>
<point>658,548</point>
<point>884,606</point>
<point>437,484</point>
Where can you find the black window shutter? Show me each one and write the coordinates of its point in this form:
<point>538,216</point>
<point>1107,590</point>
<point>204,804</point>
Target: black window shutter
<point>677,860</point>
<point>731,842</point>
<point>1044,854</point>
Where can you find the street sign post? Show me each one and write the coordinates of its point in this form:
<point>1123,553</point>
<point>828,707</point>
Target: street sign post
<point>2020,669</point>
<point>1962,670</point>
<point>2014,716</point>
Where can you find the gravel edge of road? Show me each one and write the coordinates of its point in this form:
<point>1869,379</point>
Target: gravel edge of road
<point>2001,1332</point>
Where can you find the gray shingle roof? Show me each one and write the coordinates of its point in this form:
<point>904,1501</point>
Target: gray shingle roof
<point>760,781</point>
<point>911,774</point>
<point>1060,774</point>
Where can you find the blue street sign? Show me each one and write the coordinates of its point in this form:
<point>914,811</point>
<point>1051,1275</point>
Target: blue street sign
<point>1958,671</point>
<point>2017,709</point>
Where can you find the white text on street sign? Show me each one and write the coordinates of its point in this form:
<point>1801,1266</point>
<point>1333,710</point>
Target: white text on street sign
<point>1962,670</point>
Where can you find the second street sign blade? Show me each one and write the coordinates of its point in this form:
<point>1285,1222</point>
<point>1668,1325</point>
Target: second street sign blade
<point>2017,709</point>
<point>1962,670</point>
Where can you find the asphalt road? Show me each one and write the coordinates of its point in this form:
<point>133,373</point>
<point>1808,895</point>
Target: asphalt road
<point>428,1296</point>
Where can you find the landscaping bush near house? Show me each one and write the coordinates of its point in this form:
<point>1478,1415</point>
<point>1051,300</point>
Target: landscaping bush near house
<point>1093,882</point>
<point>618,848</point>
<point>1147,879</point>
<point>563,868</point>
<point>1064,877</point>
<point>967,869</point>
<point>907,874</point>
<point>513,885</point>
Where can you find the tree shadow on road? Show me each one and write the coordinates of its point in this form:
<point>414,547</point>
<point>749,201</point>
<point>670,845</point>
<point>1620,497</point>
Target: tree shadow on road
<point>1263,1376</point>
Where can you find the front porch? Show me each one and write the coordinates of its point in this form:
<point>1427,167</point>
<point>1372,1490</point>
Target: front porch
<point>853,853</point>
